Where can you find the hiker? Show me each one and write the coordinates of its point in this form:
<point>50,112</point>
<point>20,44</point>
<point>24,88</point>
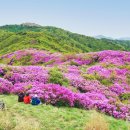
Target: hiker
<point>21,96</point>
<point>35,100</point>
<point>27,98</point>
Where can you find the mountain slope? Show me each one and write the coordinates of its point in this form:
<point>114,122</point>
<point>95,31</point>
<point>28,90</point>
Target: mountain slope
<point>15,37</point>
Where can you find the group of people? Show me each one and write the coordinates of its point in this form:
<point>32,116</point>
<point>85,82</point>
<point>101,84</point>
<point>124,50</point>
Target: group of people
<point>25,97</point>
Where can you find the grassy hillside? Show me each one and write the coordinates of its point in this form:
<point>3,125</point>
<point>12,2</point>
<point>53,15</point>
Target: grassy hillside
<point>15,37</point>
<point>46,117</point>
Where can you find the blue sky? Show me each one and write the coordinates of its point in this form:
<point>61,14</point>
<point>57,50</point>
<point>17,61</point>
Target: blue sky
<point>89,17</point>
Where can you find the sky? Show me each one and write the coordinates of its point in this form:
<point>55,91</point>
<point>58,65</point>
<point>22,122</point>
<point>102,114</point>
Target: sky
<point>90,17</point>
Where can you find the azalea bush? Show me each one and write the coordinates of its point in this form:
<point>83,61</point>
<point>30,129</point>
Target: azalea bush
<point>97,80</point>
<point>5,86</point>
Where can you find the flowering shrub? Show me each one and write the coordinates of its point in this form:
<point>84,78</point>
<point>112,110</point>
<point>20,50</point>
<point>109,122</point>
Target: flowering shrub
<point>29,74</point>
<point>100,80</point>
<point>54,94</point>
<point>57,77</point>
<point>5,86</point>
<point>114,57</point>
<point>102,72</point>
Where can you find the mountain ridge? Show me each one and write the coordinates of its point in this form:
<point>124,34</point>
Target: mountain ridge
<point>17,37</point>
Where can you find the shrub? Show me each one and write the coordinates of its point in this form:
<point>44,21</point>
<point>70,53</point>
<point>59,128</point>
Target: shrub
<point>125,67</point>
<point>53,94</point>
<point>89,76</point>
<point>57,77</point>
<point>74,63</point>
<point>2,73</point>
<point>125,96</point>
<point>73,89</point>
<point>106,82</point>
<point>49,62</point>
<point>25,60</point>
<point>128,79</point>
<point>61,103</point>
<point>5,86</point>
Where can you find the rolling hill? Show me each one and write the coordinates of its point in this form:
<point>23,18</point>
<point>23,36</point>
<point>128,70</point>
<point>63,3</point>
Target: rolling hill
<point>24,36</point>
<point>75,89</point>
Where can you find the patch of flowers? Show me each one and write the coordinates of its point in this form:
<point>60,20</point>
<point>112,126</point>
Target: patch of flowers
<point>5,86</point>
<point>99,85</point>
<point>28,74</point>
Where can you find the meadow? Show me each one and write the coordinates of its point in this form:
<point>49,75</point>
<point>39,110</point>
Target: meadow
<point>19,116</point>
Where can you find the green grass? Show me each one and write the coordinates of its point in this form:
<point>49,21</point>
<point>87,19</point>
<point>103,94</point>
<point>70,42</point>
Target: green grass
<point>54,118</point>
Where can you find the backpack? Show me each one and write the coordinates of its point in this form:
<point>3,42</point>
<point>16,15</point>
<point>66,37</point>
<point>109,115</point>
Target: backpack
<point>2,105</point>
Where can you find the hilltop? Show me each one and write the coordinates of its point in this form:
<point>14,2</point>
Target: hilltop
<point>24,36</point>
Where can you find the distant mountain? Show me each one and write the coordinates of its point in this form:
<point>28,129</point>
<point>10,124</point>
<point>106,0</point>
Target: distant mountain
<point>124,38</point>
<point>28,35</point>
<point>103,37</point>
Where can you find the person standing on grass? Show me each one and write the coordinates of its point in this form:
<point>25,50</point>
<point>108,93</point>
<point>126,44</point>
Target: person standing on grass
<point>21,96</point>
<point>27,99</point>
<point>35,100</point>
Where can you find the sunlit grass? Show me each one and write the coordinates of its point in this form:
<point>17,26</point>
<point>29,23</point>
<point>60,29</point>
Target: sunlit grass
<point>19,116</point>
<point>97,122</point>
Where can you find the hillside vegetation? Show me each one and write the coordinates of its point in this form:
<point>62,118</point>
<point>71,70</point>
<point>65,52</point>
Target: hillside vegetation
<point>99,80</point>
<point>17,37</point>
<point>76,88</point>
